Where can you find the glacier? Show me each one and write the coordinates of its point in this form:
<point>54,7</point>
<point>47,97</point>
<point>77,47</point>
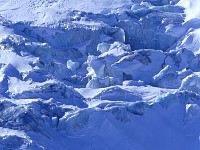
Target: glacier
<point>99,75</point>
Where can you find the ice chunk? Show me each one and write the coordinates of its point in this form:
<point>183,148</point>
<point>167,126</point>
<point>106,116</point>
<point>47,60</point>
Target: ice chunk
<point>167,78</point>
<point>76,123</point>
<point>191,83</point>
<point>55,90</point>
<point>120,113</point>
<point>118,94</point>
<point>73,66</point>
<point>144,64</point>
<point>181,58</point>
<point>133,83</point>
<point>192,110</point>
<point>94,83</point>
<point>103,47</point>
<point>136,108</point>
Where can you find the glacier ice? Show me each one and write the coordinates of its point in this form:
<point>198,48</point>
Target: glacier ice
<point>90,74</point>
<point>118,94</point>
<point>191,83</point>
<point>142,62</point>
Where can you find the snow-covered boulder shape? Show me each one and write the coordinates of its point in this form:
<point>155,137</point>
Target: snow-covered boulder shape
<point>101,82</point>
<point>191,83</point>
<point>76,123</point>
<point>177,97</point>
<point>79,122</point>
<point>141,64</point>
<point>53,90</point>
<point>97,67</point>
<point>36,75</point>
<point>184,73</point>
<point>94,83</point>
<point>186,56</point>
<point>192,111</point>
<point>116,51</point>
<point>180,58</point>
<point>101,66</point>
<point>167,78</point>
<point>133,83</point>
<point>124,111</point>
<point>73,66</point>
<point>118,94</point>
<point>103,47</point>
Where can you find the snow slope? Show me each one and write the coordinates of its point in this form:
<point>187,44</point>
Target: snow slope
<point>43,11</point>
<point>191,8</point>
<point>99,75</point>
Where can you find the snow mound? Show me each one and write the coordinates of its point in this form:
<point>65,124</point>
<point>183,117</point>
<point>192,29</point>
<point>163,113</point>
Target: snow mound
<point>118,94</point>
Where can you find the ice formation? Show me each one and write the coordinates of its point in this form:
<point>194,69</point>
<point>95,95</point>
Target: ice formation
<point>99,75</point>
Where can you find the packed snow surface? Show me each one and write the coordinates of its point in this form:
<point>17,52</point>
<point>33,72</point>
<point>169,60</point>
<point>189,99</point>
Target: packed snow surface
<point>99,74</point>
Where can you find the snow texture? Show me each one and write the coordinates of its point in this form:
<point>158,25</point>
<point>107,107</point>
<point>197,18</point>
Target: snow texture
<point>99,74</point>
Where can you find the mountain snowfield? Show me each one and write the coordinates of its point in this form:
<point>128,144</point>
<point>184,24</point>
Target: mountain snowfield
<point>99,75</point>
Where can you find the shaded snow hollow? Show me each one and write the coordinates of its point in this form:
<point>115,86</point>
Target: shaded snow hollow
<point>99,75</point>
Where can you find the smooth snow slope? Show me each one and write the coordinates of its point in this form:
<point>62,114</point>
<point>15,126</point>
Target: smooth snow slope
<point>99,75</point>
<point>43,11</point>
